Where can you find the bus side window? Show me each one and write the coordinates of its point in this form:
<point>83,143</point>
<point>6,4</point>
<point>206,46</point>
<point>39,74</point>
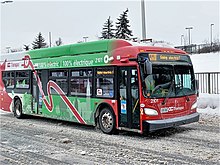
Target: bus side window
<point>81,82</point>
<point>105,82</point>
<point>105,87</point>
<point>22,79</point>
<point>60,78</point>
<point>8,79</point>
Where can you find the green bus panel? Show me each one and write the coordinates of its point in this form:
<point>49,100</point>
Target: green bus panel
<point>85,106</point>
<point>73,49</point>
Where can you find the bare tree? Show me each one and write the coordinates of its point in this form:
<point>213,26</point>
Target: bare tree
<point>59,42</point>
<point>26,47</point>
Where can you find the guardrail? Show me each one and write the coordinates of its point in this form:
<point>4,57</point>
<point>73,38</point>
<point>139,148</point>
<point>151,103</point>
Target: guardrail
<point>209,82</point>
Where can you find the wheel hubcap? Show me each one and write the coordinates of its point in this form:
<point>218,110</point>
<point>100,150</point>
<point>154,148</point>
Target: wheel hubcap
<point>107,120</point>
<point>17,110</point>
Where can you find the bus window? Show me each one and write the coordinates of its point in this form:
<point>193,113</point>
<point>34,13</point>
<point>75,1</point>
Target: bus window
<point>9,83</point>
<point>8,79</point>
<point>22,83</point>
<point>81,82</point>
<point>184,81</point>
<point>22,79</point>
<point>104,87</point>
<point>60,78</point>
<point>105,82</point>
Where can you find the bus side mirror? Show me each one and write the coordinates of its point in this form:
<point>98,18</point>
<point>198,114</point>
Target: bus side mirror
<point>147,67</point>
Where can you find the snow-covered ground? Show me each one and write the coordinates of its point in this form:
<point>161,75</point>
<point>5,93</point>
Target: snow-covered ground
<point>207,62</point>
<point>209,103</point>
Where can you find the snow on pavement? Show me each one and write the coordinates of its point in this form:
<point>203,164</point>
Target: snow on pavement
<point>209,104</point>
<point>207,62</point>
<point>3,112</point>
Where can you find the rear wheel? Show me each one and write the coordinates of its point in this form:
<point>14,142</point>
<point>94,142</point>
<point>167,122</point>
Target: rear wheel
<point>107,121</point>
<point>18,109</point>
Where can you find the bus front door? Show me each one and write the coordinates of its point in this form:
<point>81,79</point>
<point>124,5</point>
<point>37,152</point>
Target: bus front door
<point>129,109</point>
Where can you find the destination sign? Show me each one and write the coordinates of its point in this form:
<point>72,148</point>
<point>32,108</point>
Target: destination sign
<point>168,57</point>
<point>105,72</point>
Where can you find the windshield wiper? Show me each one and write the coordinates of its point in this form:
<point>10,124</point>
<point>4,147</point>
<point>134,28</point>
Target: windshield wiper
<point>169,91</point>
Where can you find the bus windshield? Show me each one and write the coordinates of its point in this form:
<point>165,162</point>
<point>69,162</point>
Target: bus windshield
<point>169,81</point>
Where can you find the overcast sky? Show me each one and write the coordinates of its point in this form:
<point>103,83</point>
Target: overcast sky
<point>72,20</point>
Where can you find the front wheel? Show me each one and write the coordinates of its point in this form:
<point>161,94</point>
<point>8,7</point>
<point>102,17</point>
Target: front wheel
<point>107,121</point>
<point>18,109</point>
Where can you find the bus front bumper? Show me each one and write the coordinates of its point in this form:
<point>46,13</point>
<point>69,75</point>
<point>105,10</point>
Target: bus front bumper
<point>152,125</point>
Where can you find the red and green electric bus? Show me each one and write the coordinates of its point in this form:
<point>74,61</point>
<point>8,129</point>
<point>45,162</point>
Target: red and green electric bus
<point>112,84</point>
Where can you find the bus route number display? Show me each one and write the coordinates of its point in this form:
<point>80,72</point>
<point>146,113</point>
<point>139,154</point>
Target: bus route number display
<point>167,57</point>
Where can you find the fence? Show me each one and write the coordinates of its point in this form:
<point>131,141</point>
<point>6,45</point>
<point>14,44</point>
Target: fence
<point>209,82</point>
<point>200,48</point>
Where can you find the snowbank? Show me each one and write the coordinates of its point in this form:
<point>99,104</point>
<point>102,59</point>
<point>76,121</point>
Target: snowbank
<point>209,104</point>
<point>206,62</point>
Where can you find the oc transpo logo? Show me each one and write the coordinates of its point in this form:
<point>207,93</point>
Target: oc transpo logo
<point>107,59</point>
<point>169,109</point>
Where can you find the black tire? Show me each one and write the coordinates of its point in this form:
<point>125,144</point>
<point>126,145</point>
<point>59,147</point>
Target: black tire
<point>107,121</point>
<point>18,109</point>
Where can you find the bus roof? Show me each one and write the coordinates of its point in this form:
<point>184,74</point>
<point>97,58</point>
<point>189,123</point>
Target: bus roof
<point>101,46</point>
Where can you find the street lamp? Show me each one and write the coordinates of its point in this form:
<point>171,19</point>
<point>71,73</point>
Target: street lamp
<point>211,34</point>
<point>189,28</point>
<point>8,49</point>
<point>182,40</point>
<point>144,35</point>
<point>3,2</point>
<point>50,38</point>
<point>85,39</point>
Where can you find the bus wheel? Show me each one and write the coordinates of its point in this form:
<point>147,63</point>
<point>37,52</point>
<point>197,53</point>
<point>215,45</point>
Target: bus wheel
<point>107,121</point>
<point>18,109</point>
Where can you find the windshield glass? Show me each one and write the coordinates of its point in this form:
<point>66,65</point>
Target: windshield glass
<point>169,81</point>
<point>184,80</point>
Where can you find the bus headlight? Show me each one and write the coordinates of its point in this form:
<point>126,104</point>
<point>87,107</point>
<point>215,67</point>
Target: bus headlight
<point>194,106</point>
<point>150,112</point>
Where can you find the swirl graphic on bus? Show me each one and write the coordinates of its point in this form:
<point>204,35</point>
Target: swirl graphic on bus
<point>51,84</point>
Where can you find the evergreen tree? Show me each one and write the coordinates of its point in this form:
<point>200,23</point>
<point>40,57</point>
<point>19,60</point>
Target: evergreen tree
<point>107,30</point>
<point>59,42</point>
<point>122,27</point>
<point>39,42</point>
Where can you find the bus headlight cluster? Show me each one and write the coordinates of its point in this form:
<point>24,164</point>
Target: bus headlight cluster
<point>194,105</point>
<point>150,112</point>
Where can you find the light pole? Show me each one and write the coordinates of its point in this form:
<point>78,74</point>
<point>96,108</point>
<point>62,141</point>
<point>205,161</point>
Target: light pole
<point>8,49</point>
<point>85,39</point>
<point>144,35</point>
<point>189,28</point>
<point>212,24</point>
<point>50,38</point>
<point>182,40</point>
